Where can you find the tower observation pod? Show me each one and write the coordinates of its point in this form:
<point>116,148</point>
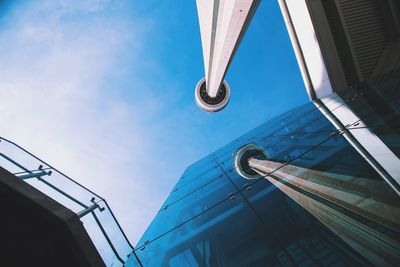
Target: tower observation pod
<point>222,26</point>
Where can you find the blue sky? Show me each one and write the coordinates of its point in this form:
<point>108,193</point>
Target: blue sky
<point>104,90</point>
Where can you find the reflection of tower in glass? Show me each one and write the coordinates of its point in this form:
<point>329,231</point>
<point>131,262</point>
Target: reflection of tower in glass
<point>222,25</point>
<point>332,198</point>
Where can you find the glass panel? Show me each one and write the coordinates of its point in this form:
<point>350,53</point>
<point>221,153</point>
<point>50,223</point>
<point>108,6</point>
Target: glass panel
<point>180,193</point>
<point>16,160</point>
<point>202,166</point>
<point>377,103</point>
<point>310,122</point>
<point>132,262</point>
<point>184,209</point>
<point>222,236</point>
<point>70,194</point>
<point>270,128</point>
<point>231,234</point>
<point>193,181</point>
<point>299,237</point>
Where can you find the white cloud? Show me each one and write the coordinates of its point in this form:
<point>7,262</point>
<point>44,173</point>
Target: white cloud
<point>53,101</point>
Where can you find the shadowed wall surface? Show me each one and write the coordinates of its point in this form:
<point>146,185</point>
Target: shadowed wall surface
<point>38,231</point>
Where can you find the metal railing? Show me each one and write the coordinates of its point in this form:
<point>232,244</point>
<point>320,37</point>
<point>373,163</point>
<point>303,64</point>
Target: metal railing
<point>102,226</point>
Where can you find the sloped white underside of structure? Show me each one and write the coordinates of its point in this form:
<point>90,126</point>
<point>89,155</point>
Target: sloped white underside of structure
<point>306,47</point>
<point>205,12</point>
<point>231,16</point>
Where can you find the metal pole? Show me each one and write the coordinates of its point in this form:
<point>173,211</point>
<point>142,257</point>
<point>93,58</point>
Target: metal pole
<point>89,209</point>
<point>107,238</point>
<point>14,162</point>
<point>32,174</point>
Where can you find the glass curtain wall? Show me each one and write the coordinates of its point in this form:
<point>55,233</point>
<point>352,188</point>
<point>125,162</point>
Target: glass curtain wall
<point>320,204</point>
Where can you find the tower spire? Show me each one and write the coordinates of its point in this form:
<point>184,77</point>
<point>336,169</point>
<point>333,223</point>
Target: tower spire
<point>222,26</point>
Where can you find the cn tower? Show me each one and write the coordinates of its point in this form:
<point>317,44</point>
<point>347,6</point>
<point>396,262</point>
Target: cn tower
<point>223,24</point>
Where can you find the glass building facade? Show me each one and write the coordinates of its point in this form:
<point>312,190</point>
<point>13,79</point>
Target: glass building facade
<point>323,203</point>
